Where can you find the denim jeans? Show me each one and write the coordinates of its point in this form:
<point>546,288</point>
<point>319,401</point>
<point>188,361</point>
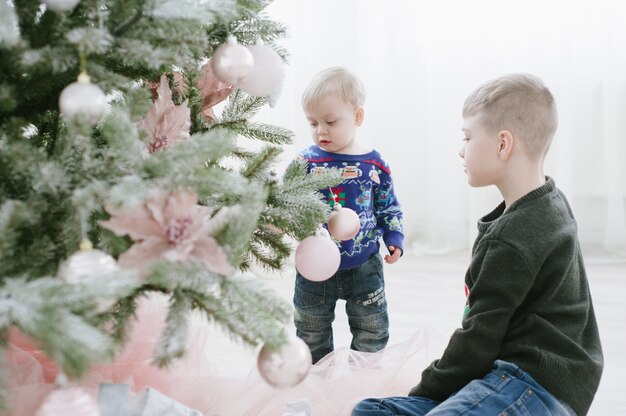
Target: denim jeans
<point>363,289</point>
<point>506,390</point>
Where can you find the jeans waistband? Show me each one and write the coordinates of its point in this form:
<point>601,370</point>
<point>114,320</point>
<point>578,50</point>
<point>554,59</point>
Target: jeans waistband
<point>510,368</point>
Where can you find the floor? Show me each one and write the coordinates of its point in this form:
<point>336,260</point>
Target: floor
<point>429,292</point>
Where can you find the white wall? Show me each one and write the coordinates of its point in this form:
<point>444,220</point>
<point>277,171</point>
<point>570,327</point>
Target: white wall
<point>420,59</point>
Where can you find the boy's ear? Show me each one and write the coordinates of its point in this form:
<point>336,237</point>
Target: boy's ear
<point>506,141</point>
<point>359,115</point>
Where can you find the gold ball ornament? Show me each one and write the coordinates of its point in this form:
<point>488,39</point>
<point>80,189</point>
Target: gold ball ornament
<point>232,62</point>
<point>286,366</point>
<point>69,401</point>
<point>82,100</point>
<point>61,5</point>
<point>343,223</point>
<point>317,257</point>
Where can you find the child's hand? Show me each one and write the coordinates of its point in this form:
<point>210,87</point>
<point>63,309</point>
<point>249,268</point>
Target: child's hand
<point>394,256</point>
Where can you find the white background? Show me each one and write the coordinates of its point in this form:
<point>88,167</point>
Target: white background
<point>420,59</point>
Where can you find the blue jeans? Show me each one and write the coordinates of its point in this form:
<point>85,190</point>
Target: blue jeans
<point>363,289</point>
<point>506,390</point>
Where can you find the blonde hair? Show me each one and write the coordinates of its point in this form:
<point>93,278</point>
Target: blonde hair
<point>520,103</point>
<point>334,81</point>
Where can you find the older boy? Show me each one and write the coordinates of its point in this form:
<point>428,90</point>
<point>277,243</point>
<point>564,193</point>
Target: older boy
<point>529,341</point>
<point>333,105</point>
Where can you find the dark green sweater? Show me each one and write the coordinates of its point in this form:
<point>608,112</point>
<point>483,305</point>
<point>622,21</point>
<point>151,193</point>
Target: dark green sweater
<point>528,303</point>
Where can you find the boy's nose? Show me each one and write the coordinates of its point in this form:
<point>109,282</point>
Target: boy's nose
<point>462,152</point>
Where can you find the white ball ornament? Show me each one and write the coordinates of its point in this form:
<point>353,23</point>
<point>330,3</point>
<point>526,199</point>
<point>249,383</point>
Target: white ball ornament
<point>343,223</point>
<point>317,257</point>
<point>267,76</point>
<point>232,62</point>
<point>61,5</point>
<point>69,401</point>
<point>87,262</point>
<point>82,100</point>
<point>287,366</point>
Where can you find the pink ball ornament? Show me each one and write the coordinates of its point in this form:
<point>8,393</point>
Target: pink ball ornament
<point>317,257</point>
<point>69,401</point>
<point>343,223</point>
<point>266,78</point>
<point>287,366</point>
<point>232,62</point>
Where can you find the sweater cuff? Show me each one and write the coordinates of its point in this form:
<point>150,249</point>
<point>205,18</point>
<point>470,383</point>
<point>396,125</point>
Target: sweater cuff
<point>394,238</point>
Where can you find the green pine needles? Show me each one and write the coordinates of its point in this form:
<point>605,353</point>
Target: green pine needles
<point>60,179</point>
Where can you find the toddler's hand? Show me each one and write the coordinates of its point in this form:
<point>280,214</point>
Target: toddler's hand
<point>394,256</point>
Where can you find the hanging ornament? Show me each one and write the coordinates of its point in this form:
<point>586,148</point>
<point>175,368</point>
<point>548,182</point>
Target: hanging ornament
<point>87,262</point>
<point>83,100</point>
<point>267,76</point>
<point>317,257</point>
<point>232,62</point>
<point>343,223</point>
<point>287,366</point>
<point>61,5</point>
<point>69,401</point>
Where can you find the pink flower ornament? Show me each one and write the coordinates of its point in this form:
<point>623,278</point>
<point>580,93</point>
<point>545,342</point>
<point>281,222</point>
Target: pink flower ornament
<point>166,123</point>
<point>169,226</point>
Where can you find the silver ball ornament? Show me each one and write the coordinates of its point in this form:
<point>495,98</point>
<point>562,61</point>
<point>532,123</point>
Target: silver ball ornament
<point>287,366</point>
<point>267,76</point>
<point>343,223</point>
<point>61,5</point>
<point>317,257</point>
<point>83,100</point>
<point>232,62</point>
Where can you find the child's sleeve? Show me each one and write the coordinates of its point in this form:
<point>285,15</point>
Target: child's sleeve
<point>387,209</point>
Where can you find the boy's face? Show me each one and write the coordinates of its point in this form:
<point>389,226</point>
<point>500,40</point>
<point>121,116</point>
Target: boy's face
<point>480,153</point>
<point>333,124</point>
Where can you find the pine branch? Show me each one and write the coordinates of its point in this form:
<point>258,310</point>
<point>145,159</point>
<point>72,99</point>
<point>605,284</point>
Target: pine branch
<point>263,132</point>
<point>174,337</point>
<point>269,248</point>
<point>54,314</point>
<point>128,23</point>
<point>257,167</point>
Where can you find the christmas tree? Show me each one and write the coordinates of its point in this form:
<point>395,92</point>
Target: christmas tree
<point>132,163</point>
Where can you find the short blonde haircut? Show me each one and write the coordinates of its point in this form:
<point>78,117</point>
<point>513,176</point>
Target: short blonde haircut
<point>335,81</point>
<point>520,103</point>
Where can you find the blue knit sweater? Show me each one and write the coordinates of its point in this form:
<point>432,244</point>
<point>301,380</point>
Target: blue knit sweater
<point>368,190</point>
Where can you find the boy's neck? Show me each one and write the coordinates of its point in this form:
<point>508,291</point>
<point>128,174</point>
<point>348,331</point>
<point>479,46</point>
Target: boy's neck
<point>517,185</point>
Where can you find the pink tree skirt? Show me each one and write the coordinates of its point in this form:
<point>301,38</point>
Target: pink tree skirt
<point>332,387</point>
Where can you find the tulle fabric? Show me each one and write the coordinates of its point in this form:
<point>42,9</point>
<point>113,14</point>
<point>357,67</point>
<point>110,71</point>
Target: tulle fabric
<point>338,381</point>
<point>332,387</point>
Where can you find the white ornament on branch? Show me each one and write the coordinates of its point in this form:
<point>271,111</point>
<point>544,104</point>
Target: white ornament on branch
<point>87,262</point>
<point>267,75</point>
<point>287,366</point>
<point>317,256</point>
<point>232,62</point>
<point>83,100</point>
<point>61,5</point>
